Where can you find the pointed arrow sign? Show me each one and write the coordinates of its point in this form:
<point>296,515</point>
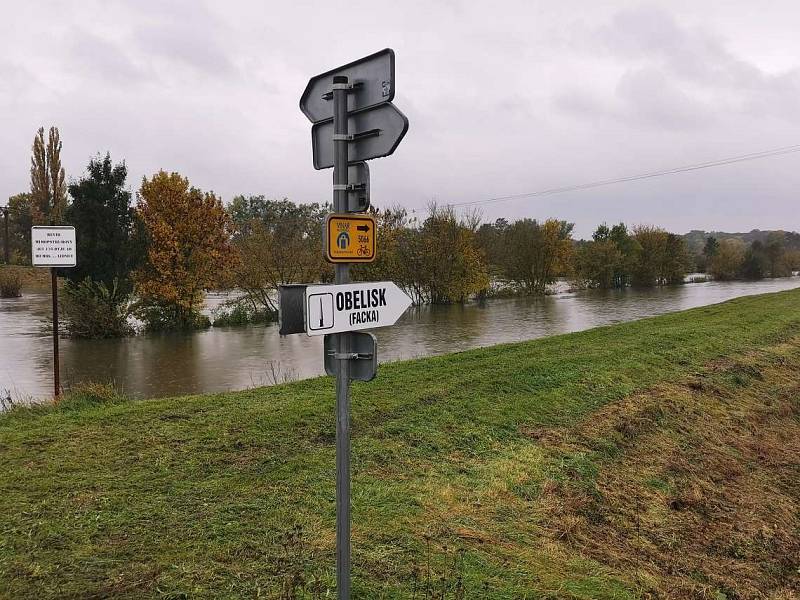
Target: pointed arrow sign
<point>374,132</point>
<point>363,228</point>
<point>372,78</point>
<point>353,306</point>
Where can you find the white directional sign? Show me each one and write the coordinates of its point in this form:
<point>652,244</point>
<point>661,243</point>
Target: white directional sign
<point>53,246</point>
<point>353,306</point>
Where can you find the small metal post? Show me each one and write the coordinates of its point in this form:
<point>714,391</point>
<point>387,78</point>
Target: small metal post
<point>340,160</point>
<point>6,253</point>
<point>56,369</point>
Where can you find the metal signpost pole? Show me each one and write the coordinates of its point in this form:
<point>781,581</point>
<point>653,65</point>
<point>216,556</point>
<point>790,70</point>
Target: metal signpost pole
<point>5,236</point>
<point>56,370</point>
<point>353,120</point>
<point>340,145</point>
<point>54,247</point>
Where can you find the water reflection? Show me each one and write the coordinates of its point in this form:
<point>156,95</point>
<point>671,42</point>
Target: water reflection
<point>224,359</point>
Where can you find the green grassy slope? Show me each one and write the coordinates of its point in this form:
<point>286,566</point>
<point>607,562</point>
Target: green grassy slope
<point>455,473</point>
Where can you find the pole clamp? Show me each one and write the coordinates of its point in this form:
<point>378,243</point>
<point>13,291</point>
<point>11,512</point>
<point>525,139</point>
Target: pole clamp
<point>349,87</point>
<point>352,355</point>
<point>354,137</point>
<point>349,187</point>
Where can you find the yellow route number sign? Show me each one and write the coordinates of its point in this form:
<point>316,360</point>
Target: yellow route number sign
<point>350,238</point>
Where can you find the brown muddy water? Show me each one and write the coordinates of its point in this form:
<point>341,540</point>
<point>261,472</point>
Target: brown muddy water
<point>233,358</point>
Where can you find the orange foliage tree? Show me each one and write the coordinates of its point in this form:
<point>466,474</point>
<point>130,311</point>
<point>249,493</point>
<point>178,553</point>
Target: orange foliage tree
<point>188,250</point>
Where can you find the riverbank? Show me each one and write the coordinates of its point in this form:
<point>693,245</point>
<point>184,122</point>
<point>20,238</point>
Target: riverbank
<point>653,456</point>
<point>223,359</point>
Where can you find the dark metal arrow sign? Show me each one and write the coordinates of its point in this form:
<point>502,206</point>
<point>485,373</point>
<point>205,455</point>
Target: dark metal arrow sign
<point>373,132</point>
<point>372,78</point>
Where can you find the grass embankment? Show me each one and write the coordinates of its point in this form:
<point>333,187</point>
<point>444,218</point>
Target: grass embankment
<point>654,458</point>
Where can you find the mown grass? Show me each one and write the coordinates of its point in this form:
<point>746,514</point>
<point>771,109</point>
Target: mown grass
<point>454,460</point>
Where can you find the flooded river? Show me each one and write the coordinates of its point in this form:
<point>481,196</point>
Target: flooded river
<point>231,358</point>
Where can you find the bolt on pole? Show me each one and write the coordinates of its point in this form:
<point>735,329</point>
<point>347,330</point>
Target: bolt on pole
<point>340,161</point>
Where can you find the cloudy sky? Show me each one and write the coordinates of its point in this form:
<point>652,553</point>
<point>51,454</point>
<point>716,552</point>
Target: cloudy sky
<point>502,98</point>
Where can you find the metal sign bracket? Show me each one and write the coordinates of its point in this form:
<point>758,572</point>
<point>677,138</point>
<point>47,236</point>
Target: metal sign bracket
<point>350,87</point>
<point>349,187</point>
<point>362,359</point>
<point>352,355</point>
<point>354,137</point>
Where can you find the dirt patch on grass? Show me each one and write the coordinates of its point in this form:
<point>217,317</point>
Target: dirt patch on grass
<point>693,488</point>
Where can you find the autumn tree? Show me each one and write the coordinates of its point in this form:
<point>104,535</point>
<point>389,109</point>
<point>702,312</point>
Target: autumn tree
<point>48,184</point>
<point>398,257</point>
<point>615,258</point>
<point>608,260</point>
<point>188,250</point>
<point>534,253</point>
<point>449,267</point>
<point>727,262</point>
<point>276,242</point>
<point>662,259</point>
<point>597,263</point>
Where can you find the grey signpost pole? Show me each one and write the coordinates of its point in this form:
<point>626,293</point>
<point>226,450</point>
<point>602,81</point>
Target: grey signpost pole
<point>56,368</point>
<point>340,148</point>
<point>358,97</point>
<point>6,254</point>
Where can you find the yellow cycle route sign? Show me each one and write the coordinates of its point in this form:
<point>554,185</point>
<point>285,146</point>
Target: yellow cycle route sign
<point>350,238</point>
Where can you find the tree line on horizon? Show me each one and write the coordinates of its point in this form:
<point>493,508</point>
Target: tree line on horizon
<point>156,258</point>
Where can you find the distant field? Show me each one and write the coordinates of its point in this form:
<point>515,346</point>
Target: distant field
<point>657,458</point>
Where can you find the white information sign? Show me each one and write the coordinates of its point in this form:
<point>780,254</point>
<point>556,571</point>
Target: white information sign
<point>353,306</point>
<point>53,246</point>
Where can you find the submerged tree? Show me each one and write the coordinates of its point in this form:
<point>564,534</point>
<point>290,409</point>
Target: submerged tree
<point>399,248</point>
<point>109,246</point>
<point>727,262</point>
<point>608,259</point>
<point>662,258</point>
<point>615,258</point>
<point>437,261</point>
<point>276,242</point>
<point>756,262</point>
<point>776,254</point>
<point>534,253</point>
<point>597,263</point>
<point>188,251</point>
<point>449,265</point>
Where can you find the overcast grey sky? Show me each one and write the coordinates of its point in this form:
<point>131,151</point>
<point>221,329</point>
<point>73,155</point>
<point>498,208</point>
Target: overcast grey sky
<point>502,98</point>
